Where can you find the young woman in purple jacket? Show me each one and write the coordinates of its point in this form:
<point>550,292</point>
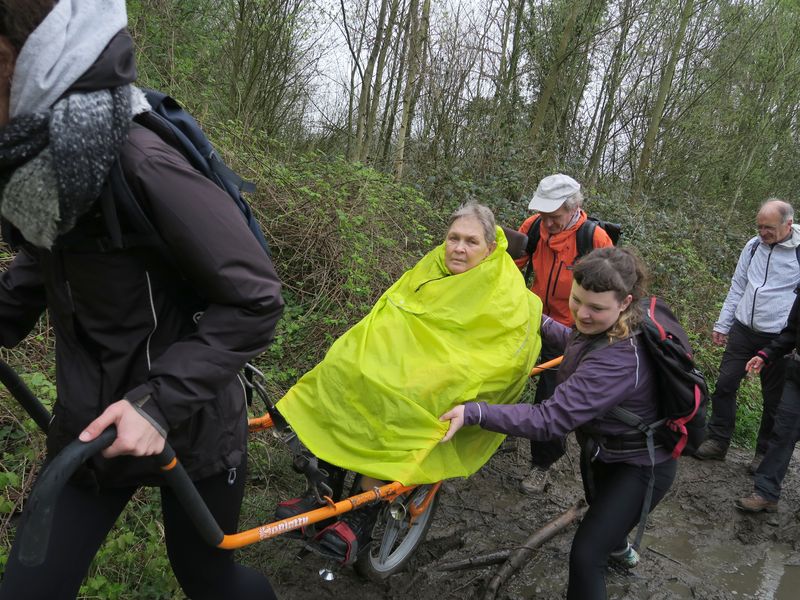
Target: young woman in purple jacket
<point>604,366</point>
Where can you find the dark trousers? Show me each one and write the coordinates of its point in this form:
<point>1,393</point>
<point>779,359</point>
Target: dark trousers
<point>544,454</point>
<point>617,491</point>
<point>743,344</point>
<point>83,518</point>
<point>785,434</point>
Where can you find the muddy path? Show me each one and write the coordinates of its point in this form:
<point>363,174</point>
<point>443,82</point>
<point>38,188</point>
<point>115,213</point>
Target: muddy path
<point>697,544</point>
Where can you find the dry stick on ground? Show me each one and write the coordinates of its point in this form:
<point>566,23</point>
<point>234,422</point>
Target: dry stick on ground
<point>474,562</point>
<point>537,538</point>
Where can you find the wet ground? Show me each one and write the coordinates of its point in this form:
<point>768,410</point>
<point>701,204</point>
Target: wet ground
<point>697,544</point>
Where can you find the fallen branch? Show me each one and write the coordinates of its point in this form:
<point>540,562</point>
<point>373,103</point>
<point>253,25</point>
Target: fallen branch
<point>521,555</point>
<point>473,562</point>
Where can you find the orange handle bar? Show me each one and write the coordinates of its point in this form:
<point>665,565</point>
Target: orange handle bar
<point>386,492</point>
<point>546,365</point>
<point>260,423</point>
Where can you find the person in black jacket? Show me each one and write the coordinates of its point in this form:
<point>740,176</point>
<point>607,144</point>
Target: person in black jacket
<point>149,343</point>
<point>786,431</point>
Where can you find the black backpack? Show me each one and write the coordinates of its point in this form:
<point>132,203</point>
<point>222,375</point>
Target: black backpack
<point>180,130</point>
<point>682,392</point>
<point>584,238</point>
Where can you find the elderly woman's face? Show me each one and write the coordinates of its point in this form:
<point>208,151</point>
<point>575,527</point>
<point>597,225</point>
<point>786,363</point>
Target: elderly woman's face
<point>465,245</point>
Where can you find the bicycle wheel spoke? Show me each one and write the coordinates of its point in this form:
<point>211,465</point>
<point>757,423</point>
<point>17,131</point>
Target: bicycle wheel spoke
<point>387,543</point>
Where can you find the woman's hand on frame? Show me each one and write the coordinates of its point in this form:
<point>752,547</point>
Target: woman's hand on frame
<point>135,435</point>
<point>456,418</point>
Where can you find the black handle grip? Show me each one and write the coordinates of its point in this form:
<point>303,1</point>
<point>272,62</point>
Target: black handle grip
<point>23,394</point>
<point>41,504</point>
<point>189,497</point>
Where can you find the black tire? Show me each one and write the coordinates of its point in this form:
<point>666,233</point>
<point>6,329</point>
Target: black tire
<point>395,541</point>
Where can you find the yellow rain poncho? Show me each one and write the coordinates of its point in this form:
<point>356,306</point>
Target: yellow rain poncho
<point>432,341</point>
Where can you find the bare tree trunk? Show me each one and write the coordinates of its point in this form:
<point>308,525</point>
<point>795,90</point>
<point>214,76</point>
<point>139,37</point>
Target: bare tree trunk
<point>352,140</point>
<point>549,84</point>
<point>393,103</point>
<point>356,150</point>
<point>657,112</point>
<point>611,85</point>
<point>418,37</point>
<point>375,95</point>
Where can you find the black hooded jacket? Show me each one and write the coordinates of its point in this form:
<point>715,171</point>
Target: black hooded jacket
<point>169,333</point>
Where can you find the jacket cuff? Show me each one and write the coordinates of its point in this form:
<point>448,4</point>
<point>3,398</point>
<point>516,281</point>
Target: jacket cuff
<point>474,413</point>
<point>142,401</point>
<point>763,355</point>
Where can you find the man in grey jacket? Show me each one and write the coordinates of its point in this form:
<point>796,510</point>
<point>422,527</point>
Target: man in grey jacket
<point>754,312</point>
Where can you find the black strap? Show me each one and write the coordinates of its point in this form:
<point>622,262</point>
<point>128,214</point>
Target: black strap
<point>534,235</point>
<point>109,209</point>
<point>226,173</point>
<point>754,249</point>
<point>585,237</point>
<point>633,420</point>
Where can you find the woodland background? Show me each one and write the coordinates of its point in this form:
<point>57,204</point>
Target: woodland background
<point>364,123</point>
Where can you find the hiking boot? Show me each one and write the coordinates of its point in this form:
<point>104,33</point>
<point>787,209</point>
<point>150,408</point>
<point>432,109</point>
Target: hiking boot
<point>711,449</point>
<point>756,503</point>
<point>535,482</point>
<point>755,463</point>
<point>348,536</point>
<point>297,506</point>
<point>626,559</point>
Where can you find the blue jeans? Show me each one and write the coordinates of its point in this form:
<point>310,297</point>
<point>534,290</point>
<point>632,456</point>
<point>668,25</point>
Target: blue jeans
<point>785,435</point>
<point>743,344</point>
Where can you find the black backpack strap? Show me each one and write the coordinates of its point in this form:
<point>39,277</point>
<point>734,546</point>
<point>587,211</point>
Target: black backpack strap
<point>585,237</point>
<point>124,203</point>
<point>754,249</point>
<point>633,420</point>
<point>223,171</point>
<point>534,235</point>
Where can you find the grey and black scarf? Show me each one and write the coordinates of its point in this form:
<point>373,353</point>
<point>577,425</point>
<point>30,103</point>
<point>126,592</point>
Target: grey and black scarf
<point>53,164</point>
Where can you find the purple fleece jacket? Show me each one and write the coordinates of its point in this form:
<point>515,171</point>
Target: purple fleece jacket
<point>620,374</point>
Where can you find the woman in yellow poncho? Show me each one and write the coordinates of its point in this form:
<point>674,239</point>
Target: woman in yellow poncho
<point>459,326</point>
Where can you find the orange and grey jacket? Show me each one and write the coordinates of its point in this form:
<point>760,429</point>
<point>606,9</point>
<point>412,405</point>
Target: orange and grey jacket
<point>553,259</point>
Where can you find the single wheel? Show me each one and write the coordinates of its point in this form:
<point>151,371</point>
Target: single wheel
<point>396,537</point>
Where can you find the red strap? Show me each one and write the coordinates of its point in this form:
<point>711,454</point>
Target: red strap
<point>680,424</point>
<point>343,531</point>
<point>661,333</point>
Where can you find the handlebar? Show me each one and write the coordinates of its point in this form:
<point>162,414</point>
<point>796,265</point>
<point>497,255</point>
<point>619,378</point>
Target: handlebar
<point>41,504</point>
<point>23,394</point>
<point>550,364</point>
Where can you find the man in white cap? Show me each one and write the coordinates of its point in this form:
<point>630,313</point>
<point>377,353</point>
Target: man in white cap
<point>559,233</point>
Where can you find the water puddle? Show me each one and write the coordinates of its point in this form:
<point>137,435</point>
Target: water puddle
<point>761,571</point>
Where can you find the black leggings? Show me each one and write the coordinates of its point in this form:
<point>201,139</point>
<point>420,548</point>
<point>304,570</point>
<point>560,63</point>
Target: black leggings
<point>83,519</point>
<point>615,505</point>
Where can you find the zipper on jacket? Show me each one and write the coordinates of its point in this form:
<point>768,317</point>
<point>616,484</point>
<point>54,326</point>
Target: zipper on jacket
<point>547,289</point>
<point>558,274</point>
<point>419,287</point>
<point>755,292</point>
<point>155,317</point>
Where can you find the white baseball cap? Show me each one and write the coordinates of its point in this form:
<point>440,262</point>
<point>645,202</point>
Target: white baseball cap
<point>552,191</point>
